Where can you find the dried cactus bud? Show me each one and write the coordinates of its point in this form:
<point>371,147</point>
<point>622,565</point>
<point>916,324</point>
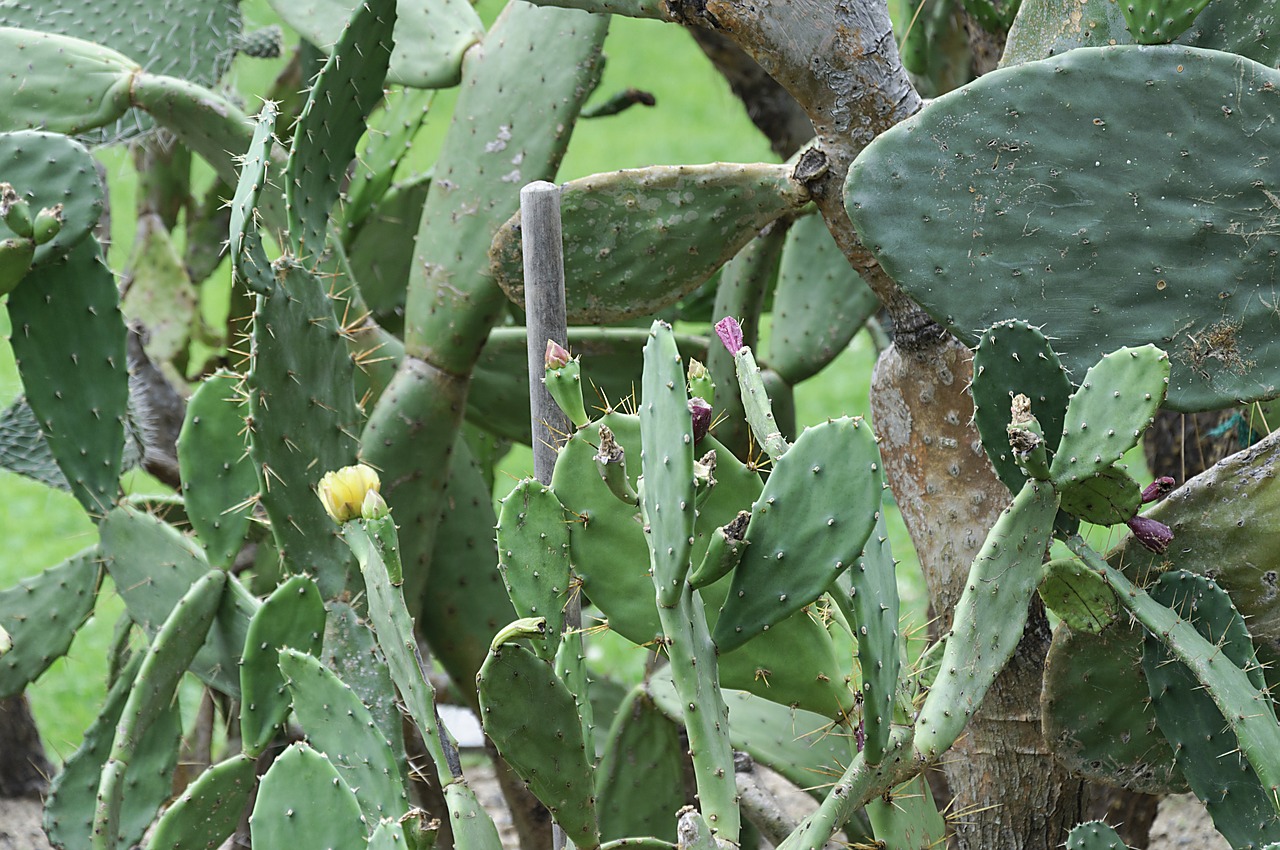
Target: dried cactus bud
<point>730,333</point>
<point>700,412</point>
<point>557,356</point>
<point>1026,438</point>
<point>1153,534</point>
<point>48,223</point>
<point>15,212</point>
<point>1158,489</point>
<point>374,506</point>
<point>343,491</point>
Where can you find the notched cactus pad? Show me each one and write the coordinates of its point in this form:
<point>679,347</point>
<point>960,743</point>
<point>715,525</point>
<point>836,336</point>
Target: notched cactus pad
<point>636,241</point>
<point>1138,209</point>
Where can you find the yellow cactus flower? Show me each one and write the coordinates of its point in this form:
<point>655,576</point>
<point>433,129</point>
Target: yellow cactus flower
<point>343,492</point>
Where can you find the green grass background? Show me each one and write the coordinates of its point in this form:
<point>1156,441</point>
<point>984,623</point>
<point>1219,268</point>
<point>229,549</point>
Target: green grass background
<point>696,119</point>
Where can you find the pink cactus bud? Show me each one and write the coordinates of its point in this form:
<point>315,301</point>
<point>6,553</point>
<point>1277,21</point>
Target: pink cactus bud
<point>1153,534</point>
<point>557,356</point>
<point>730,333</point>
<point>700,411</point>
<point>1158,489</point>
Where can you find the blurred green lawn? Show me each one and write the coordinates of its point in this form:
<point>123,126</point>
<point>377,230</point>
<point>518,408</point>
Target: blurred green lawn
<point>697,119</point>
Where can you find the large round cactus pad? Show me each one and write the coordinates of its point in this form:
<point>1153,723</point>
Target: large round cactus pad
<point>1115,195</point>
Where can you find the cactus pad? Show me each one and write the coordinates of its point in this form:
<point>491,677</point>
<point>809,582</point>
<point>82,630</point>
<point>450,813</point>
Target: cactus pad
<point>42,614</point>
<point>1090,219</point>
<point>65,85</point>
<point>640,781</point>
<point>1078,596</point>
<point>636,241</point>
<point>47,169</point>
<point>1160,21</point>
<point>533,555</point>
<point>209,810</point>
<point>303,802</point>
<point>1107,497</point>
<point>1094,835</point>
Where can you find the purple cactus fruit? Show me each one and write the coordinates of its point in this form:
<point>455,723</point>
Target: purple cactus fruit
<point>730,333</point>
<point>1153,534</point>
<point>700,412</point>
<point>557,356</point>
<point>1158,489</point>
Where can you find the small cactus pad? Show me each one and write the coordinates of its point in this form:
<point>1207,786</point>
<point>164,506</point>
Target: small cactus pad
<point>997,209</point>
<point>77,378</point>
<point>1051,27</point>
<point>906,816</point>
<point>389,137</point>
<point>808,525</point>
<point>332,122</point>
<point>219,485</point>
<point>1115,402</point>
<point>1109,496</point>
<point>473,828</point>
<point>303,802</point>
<point>1206,749</point>
<point>351,651</point>
<point>430,38</point>
<point>1160,21</point>
<point>294,616</point>
<point>47,169</point>
<point>1096,713</point>
<point>41,616</point>
<point>640,781</point>
<point>1013,358</point>
<point>1094,835</point>
<point>1078,596</point>
<point>819,305</point>
<point>208,812</point>
<point>338,724</point>
<point>249,262</point>
<point>533,555</point>
<point>544,747</point>
<point>666,456</point>
<point>989,618</point>
<point>638,240</point>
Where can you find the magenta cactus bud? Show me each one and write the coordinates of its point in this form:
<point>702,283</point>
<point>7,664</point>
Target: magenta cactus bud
<point>1153,534</point>
<point>700,412</point>
<point>1158,489</point>
<point>557,356</point>
<point>730,333</point>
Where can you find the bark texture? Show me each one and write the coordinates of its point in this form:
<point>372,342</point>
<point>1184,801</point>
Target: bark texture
<point>24,770</point>
<point>1008,792</point>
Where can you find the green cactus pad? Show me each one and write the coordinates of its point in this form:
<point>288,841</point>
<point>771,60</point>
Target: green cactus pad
<point>293,616</point>
<point>473,828</point>
<point>209,810</point>
<point>351,651</point>
<point>338,724</point>
<point>158,294</point>
<point>62,84</point>
<point>1094,835</point>
<point>545,748</point>
<point>153,566</point>
<point>907,816</point>
<point>1223,524</point>
<point>303,802</point>
<point>333,120</point>
<point>305,422</point>
<point>218,484</point>
<point>1115,402</point>
<point>1107,497</point>
<point>533,555</point>
<point>611,366</point>
<point>486,158</point>
<point>872,606</point>
<point>640,781</point>
<point>69,808</point>
<point>1050,27</point>
<point>1078,596</point>
<point>379,254</point>
<point>47,169</point>
<point>666,460</point>
<point>636,241</point>
<point>388,139</point>
<point>249,261</point>
<point>998,209</point>
<point>1013,358</point>
<point>1160,21</point>
<point>42,615</point>
<point>1209,755</point>
<point>819,305</point>
<point>76,379</point>
<point>151,703</point>
<point>1096,714</point>
<point>808,525</point>
<point>431,36</point>
<point>798,744</point>
<point>989,618</point>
